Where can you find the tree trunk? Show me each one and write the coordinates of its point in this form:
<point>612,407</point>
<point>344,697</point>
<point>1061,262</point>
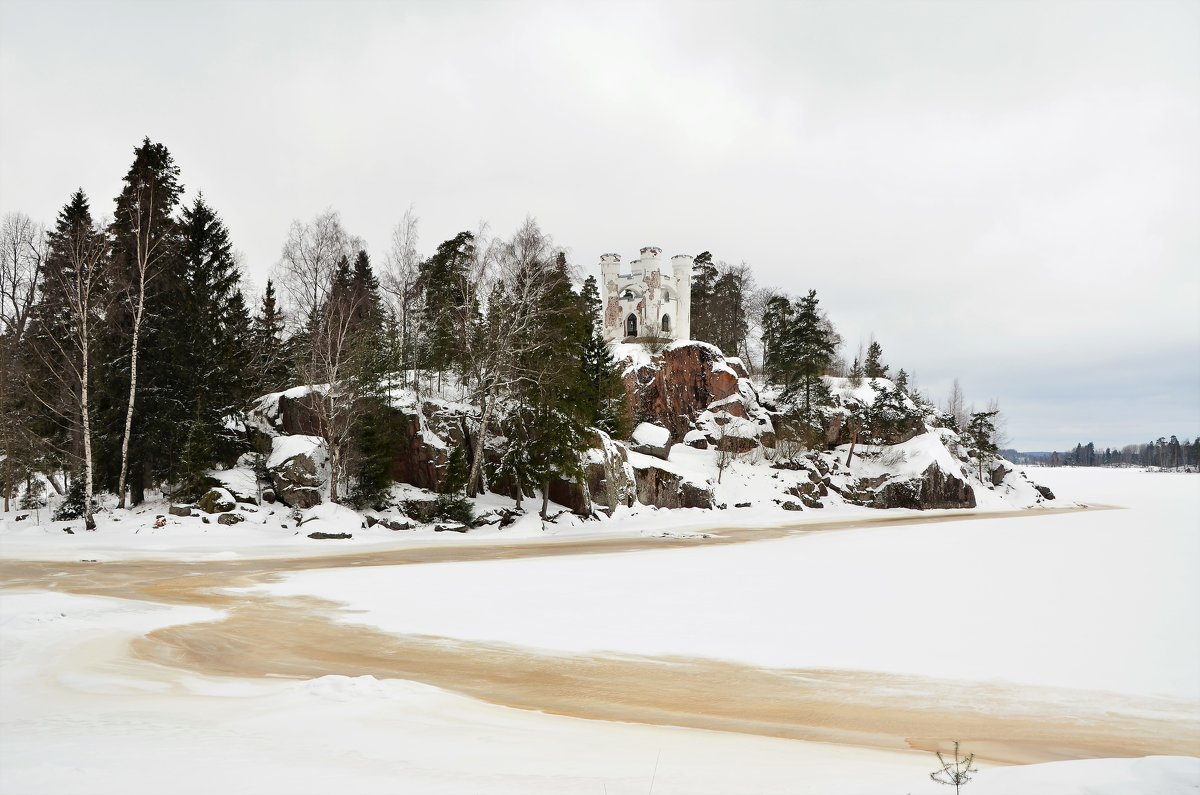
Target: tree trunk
<point>850,455</point>
<point>133,365</point>
<point>475,480</point>
<point>85,413</point>
<point>545,499</point>
<point>334,463</point>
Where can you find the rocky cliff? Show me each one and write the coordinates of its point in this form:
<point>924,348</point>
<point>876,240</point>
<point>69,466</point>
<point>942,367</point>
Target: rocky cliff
<point>706,438</point>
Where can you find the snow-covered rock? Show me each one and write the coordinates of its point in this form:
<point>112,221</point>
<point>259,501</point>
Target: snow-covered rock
<point>674,388</point>
<point>299,469</point>
<point>652,440</point>
<point>216,501</point>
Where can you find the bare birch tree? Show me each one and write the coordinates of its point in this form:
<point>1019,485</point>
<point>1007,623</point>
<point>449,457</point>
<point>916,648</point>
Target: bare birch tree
<point>329,362</point>
<point>22,254</point>
<point>402,269</point>
<point>517,319</point>
<point>66,346</point>
<point>956,404</point>
<point>310,255</point>
<point>333,368</point>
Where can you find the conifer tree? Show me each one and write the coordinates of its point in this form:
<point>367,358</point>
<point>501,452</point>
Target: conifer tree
<point>980,434</point>
<point>448,303</point>
<point>778,356</point>
<point>144,248</point>
<point>813,349</point>
<point>857,371</point>
<point>602,391</point>
<point>272,355</point>
<point>873,366</point>
<point>65,344</point>
<point>202,357</point>
<point>704,282</point>
<point>52,361</point>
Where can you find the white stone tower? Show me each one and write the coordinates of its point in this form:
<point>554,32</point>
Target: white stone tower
<point>647,301</point>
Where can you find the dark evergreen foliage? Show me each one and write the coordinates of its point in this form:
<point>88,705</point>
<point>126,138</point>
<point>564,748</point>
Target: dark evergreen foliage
<point>144,231</point>
<point>800,347</point>
<point>873,366</point>
<point>602,395</point>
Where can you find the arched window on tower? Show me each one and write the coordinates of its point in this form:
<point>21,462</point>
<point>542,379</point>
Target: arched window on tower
<point>627,295</point>
<point>666,323</point>
<point>631,326</point>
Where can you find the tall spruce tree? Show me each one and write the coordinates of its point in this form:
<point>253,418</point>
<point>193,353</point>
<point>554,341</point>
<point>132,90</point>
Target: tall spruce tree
<point>704,282</point>
<point>145,244</point>
<point>209,352</point>
<point>602,391</point>
<point>273,357</point>
<point>65,344</point>
<point>448,304</point>
<point>53,363</point>
<point>778,356</point>
<point>799,348</point>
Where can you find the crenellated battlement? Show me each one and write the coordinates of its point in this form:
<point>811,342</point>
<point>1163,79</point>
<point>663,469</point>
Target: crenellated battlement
<point>647,297</point>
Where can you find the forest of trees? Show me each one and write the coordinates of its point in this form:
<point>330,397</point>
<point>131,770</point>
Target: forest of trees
<point>1166,452</point>
<point>130,353</point>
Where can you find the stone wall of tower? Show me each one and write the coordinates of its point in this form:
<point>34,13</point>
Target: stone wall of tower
<point>648,297</point>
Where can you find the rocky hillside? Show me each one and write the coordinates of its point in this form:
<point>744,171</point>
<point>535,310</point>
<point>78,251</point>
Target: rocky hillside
<point>705,437</point>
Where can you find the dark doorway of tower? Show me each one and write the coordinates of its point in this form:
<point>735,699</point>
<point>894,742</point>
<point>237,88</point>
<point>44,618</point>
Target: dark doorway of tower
<point>631,326</point>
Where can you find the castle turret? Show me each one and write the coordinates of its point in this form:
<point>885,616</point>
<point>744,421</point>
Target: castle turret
<point>681,271</point>
<point>649,300</point>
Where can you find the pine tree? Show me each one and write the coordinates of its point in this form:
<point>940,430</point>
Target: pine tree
<point>516,465</point>
<point>778,357</point>
<point>814,350</point>
<point>602,388</point>
<point>272,355</point>
<point>729,311</point>
<point>704,282</point>
<point>856,373</point>
<point>980,434</point>
<point>448,304</point>
<point>873,366</point>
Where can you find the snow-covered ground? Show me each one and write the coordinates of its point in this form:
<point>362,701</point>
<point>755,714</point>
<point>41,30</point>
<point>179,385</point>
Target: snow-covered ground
<point>1101,600</point>
<point>1097,600</point>
<point>78,716</point>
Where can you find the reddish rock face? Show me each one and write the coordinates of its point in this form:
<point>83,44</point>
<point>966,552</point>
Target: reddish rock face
<point>683,385</point>
<point>299,415</point>
<point>572,495</point>
<point>415,461</point>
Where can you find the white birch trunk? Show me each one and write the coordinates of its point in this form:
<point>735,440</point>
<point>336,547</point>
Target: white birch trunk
<point>133,374</point>
<point>89,521</point>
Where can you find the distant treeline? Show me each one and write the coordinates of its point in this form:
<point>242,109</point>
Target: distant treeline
<point>1165,452</point>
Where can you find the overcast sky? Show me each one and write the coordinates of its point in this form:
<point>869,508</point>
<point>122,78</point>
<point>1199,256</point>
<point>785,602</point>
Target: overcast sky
<point>1007,193</point>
